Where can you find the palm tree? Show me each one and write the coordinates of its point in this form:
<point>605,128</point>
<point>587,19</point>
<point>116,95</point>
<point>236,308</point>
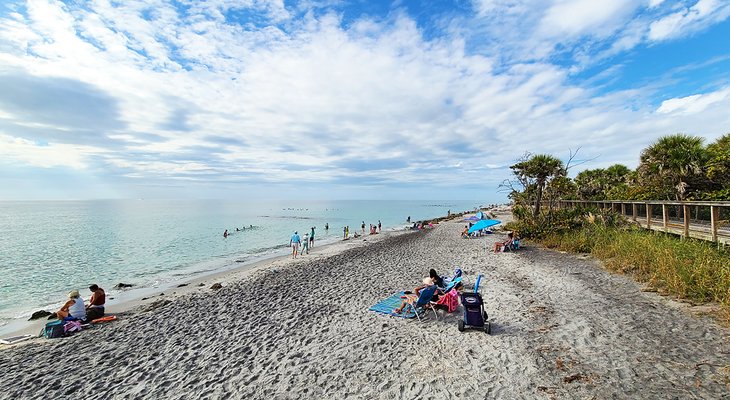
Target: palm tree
<point>676,160</point>
<point>538,170</point>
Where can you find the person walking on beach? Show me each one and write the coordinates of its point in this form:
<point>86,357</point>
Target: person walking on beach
<point>311,238</point>
<point>294,243</point>
<point>380,227</point>
<point>305,244</point>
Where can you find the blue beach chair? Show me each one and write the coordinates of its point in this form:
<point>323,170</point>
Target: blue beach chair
<point>452,284</point>
<point>423,299</point>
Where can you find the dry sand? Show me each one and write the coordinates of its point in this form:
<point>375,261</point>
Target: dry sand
<point>562,328</point>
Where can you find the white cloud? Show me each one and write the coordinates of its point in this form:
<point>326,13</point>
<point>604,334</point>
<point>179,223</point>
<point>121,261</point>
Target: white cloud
<point>573,17</point>
<point>203,99</point>
<point>688,20</point>
<point>693,104</point>
<point>45,156</point>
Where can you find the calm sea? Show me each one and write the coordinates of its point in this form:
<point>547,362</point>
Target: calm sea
<point>49,248</point>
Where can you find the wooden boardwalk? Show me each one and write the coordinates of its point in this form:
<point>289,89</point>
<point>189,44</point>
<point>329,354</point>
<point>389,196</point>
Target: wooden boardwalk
<point>705,220</point>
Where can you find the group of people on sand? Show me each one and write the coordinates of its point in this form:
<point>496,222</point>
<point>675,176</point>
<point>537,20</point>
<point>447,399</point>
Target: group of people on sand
<point>421,225</point>
<point>306,243</point>
<point>374,229</point>
<point>75,309</point>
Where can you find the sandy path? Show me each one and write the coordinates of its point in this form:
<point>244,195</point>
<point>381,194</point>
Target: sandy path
<point>562,328</point>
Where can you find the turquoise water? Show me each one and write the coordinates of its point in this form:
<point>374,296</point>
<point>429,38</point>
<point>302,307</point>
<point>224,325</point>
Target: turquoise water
<point>48,248</point>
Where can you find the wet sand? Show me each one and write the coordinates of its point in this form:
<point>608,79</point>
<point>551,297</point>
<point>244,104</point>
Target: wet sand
<point>562,327</point>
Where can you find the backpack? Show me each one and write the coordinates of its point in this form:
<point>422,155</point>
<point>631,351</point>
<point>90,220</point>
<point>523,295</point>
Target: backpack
<point>53,329</point>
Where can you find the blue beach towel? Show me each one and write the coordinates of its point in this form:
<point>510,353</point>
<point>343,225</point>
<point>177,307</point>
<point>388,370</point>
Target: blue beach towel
<point>386,306</point>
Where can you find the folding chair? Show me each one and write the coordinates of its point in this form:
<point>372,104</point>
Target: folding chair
<point>423,299</point>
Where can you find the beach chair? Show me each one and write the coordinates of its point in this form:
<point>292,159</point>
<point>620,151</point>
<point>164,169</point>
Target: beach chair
<point>424,299</point>
<point>451,284</point>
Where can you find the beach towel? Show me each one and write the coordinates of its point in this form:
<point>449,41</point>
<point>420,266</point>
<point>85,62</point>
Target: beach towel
<point>450,300</point>
<point>387,305</point>
<point>105,319</point>
<point>72,326</point>
<point>16,339</point>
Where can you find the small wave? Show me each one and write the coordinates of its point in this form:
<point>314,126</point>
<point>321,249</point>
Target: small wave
<point>284,217</point>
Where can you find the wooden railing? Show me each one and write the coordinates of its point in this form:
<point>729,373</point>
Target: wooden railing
<point>705,220</point>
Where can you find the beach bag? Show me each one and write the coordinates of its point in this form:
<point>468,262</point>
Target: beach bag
<point>72,326</point>
<point>53,329</point>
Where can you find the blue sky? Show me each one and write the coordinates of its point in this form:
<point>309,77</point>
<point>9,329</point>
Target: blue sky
<point>344,99</point>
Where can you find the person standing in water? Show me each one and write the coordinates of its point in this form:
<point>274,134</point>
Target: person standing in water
<point>380,227</point>
<point>363,227</point>
<point>225,234</point>
<point>327,226</point>
<point>311,238</point>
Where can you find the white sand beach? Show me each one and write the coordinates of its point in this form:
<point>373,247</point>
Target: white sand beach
<point>562,327</point>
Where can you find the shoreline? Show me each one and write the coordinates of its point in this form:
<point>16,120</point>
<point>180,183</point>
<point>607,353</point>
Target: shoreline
<point>133,300</point>
<point>124,301</point>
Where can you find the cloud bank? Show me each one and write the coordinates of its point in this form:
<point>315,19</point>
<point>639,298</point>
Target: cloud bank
<point>258,96</point>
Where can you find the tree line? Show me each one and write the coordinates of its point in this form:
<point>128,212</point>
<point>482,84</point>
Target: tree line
<point>674,167</point>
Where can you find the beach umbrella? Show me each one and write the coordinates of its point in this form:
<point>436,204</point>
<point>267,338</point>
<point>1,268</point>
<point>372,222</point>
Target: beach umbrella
<point>480,215</point>
<point>485,223</point>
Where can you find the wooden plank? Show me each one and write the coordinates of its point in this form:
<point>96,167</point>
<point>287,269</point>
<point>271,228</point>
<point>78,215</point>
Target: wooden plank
<point>714,219</point>
<point>648,215</point>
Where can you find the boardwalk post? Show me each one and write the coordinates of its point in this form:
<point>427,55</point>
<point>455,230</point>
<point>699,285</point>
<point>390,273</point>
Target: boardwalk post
<point>636,211</point>
<point>685,217</point>
<point>715,217</point>
<point>623,209</point>
<point>665,217</point>
<point>613,207</point>
<point>648,216</point>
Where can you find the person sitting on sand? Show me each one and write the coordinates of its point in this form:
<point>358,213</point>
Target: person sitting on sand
<point>95,309</point>
<point>500,246</point>
<point>433,277</point>
<point>412,298</point>
<point>73,309</point>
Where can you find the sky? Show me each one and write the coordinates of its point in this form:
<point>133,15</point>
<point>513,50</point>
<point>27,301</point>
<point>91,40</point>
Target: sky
<point>327,99</point>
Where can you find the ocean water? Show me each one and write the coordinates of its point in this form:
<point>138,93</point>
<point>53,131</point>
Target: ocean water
<point>49,248</point>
